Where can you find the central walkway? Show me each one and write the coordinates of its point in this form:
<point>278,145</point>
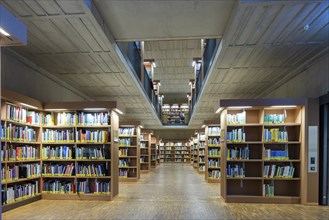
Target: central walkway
<point>171,191</point>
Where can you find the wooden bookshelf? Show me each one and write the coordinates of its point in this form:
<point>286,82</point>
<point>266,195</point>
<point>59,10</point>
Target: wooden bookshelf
<point>162,152</point>
<point>154,142</point>
<point>129,163</point>
<point>158,157</point>
<point>145,151</point>
<point>20,149</point>
<point>176,152</point>
<point>213,155</point>
<point>262,153</point>
<point>195,152</point>
<point>201,152</point>
<point>88,150</point>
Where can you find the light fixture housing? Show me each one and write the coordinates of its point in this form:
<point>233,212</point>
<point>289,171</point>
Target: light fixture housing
<point>118,111</point>
<point>2,31</point>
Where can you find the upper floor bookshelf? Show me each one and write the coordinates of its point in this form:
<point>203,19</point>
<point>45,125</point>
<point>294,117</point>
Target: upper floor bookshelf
<point>145,150</point>
<point>175,114</point>
<point>261,152</point>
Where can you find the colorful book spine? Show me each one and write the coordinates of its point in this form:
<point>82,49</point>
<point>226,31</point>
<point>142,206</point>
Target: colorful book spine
<point>93,119</point>
<point>275,135</point>
<point>236,135</point>
<point>57,169</point>
<point>90,153</point>
<point>235,171</point>
<point>22,134</point>
<point>92,136</point>
<point>18,192</point>
<point>238,153</point>
<point>57,152</point>
<point>58,136</point>
<point>58,187</point>
<point>92,170</point>
<point>239,118</point>
<point>215,174</point>
<point>274,118</point>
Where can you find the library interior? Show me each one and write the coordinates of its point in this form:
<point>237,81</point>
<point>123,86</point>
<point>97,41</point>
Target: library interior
<point>160,109</point>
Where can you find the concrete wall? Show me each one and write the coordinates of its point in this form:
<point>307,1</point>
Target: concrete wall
<point>22,76</point>
<point>313,82</point>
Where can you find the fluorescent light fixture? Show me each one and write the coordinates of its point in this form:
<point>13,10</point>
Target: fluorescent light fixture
<point>239,107</point>
<point>193,63</point>
<point>203,126</point>
<point>196,133</point>
<point>284,106</point>
<point>219,110</point>
<point>159,84</point>
<point>141,126</point>
<point>2,31</point>
<point>29,106</point>
<point>118,111</point>
<point>154,65</point>
<point>95,109</point>
<point>55,109</point>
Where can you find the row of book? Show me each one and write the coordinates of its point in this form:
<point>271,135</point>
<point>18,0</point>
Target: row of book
<point>213,163</point>
<point>215,174</point>
<point>202,144</point>
<point>83,187</point>
<point>142,144</point>
<point>213,141</point>
<point>56,152</point>
<point>268,190</point>
<point>274,118</point>
<point>57,169</point>
<point>91,170</point>
<point>15,172</point>
<point>236,171</point>
<point>50,135</point>
<point>214,152</point>
<point>62,119</point>
<point>93,119</point>
<point>238,153</point>
<point>123,152</point>
<point>19,153</point>
<point>274,171</point>
<point>236,135</point>
<point>201,136</point>
<point>17,133</point>
<point>202,151</point>
<point>214,130</point>
<point>270,154</point>
<point>99,136</point>
<point>275,135</point>
<point>126,131</point>
<point>22,115</point>
<point>19,192</point>
<point>124,162</point>
<point>123,173</point>
<point>125,141</point>
<point>92,153</point>
<point>202,167</point>
<point>201,159</point>
<point>238,118</point>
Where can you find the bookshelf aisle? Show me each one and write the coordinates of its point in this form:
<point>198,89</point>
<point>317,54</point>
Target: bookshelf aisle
<point>213,135</point>
<point>20,154</point>
<point>153,152</point>
<point>191,150</point>
<point>129,152</point>
<point>145,151</point>
<point>262,154</point>
<point>201,152</point>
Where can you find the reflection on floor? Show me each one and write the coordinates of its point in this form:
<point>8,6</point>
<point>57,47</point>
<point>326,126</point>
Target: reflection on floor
<point>171,191</point>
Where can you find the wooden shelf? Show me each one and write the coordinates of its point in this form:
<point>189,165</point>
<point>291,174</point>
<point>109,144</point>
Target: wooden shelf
<point>282,125</point>
<point>21,161</point>
<point>21,123</point>
<point>251,160</point>
<point>244,178</point>
<point>59,143</point>
<point>245,125</point>
<point>58,126</point>
<point>246,142</point>
<point>93,177</point>
<point>214,135</point>
<point>59,177</point>
<point>20,202</point>
<point>20,180</point>
<point>58,160</point>
<point>93,126</point>
<point>93,160</point>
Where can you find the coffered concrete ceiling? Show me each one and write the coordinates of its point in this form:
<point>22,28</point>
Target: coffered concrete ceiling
<point>264,44</point>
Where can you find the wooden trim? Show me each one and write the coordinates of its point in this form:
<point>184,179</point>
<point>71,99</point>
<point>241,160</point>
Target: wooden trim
<point>18,98</point>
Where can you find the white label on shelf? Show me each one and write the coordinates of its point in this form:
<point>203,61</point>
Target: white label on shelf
<point>312,149</point>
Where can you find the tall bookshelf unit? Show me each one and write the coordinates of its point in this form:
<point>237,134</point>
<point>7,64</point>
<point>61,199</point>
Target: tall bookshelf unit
<point>162,152</point>
<point>153,152</point>
<point>158,152</point>
<point>213,140</point>
<point>20,153</point>
<point>191,150</point>
<point>262,152</point>
<point>145,151</point>
<point>50,153</point>
<point>201,152</point>
<point>195,152</point>
<point>79,151</point>
<point>129,163</point>
<point>169,155</point>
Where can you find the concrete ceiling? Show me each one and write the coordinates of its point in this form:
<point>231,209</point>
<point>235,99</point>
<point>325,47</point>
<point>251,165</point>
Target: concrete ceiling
<point>264,44</point>
<point>153,20</point>
<point>174,66</point>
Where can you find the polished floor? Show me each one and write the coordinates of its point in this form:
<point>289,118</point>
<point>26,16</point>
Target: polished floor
<point>171,191</point>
